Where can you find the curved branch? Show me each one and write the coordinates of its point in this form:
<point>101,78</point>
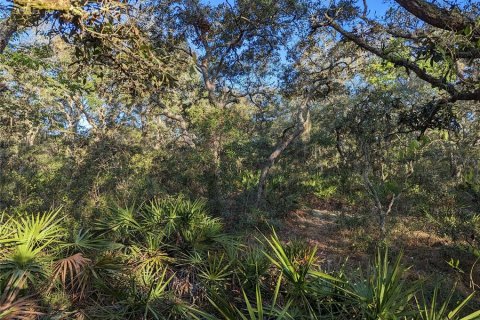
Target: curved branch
<point>451,20</point>
<point>439,83</point>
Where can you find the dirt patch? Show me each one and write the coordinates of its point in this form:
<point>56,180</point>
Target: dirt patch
<point>321,228</point>
<point>340,236</point>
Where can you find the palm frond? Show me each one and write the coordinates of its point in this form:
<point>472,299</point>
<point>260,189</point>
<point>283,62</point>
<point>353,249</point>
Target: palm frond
<point>14,307</point>
<point>24,263</point>
<point>71,271</point>
<point>85,241</point>
<point>39,230</point>
<point>436,310</point>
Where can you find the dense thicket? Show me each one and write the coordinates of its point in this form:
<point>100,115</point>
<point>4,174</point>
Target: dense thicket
<point>116,115</point>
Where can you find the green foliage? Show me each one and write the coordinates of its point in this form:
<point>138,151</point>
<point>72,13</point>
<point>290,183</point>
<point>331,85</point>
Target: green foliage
<point>435,310</point>
<point>85,241</point>
<point>384,293</point>
<point>321,187</point>
<point>182,221</point>
<point>455,222</point>
<point>298,269</point>
<point>153,275</point>
<point>253,266</point>
<point>111,108</point>
<point>252,311</point>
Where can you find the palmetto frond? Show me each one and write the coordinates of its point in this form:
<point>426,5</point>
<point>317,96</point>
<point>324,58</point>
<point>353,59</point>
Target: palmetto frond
<point>252,265</point>
<point>294,270</point>
<point>182,222</point>
<point>39,230</point>
<point>13,307</point>
<point>105,268</point>
<point>383,293</point>
<point>85,241</point>
<point>436,310</point>
<point>23,263</point>
<point>25,259</point>
<point>121,221</point>
<point>251,310</point>
<point>72,273</point>
<point>216,269</point>
<point>7,230</point>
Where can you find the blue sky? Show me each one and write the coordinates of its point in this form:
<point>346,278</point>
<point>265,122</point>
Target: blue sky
<point>378,6</point>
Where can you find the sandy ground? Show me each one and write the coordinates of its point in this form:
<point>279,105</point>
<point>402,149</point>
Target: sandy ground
<point>339,236</point>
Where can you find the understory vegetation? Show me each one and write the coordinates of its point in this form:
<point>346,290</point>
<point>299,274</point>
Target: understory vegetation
<point>247,159</point>
<point>168,259</point>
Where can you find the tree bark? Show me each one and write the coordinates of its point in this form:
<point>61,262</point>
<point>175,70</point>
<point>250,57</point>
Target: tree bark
<point>382,212</point>
<point>209,80</point>
<point>451,20</point>
<point>8,27</point>
<point>214,189</point>
<point>280,147</point>
<point>189,138</point>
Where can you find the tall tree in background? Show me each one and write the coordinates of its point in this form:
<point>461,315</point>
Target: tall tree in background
<point>438,42</point>
<point>236,50</point>
<point>318,71</point>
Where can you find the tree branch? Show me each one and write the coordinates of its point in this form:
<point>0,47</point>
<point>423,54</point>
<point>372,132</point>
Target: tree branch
<point>439,83</point>
<point>451,20</point>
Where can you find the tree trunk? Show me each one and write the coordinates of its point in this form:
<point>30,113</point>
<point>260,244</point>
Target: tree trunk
<point>382,212</point>
<point>209,80</point>
<point>383,224</point>
<point>214,191</point>
<point>271,161</point>
<point>280,147</point>
<point>8,27</point>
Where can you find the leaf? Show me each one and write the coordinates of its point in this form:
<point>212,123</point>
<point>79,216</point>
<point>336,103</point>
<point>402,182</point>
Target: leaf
<point>71,271</point>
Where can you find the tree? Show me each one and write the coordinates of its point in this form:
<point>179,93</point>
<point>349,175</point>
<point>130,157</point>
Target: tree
<point>27,13</point>
<point>439,44</point>
<point>234,48</point>
<point>316,74</point>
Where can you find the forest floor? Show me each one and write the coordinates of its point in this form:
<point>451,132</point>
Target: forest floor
<point>340,235</point>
